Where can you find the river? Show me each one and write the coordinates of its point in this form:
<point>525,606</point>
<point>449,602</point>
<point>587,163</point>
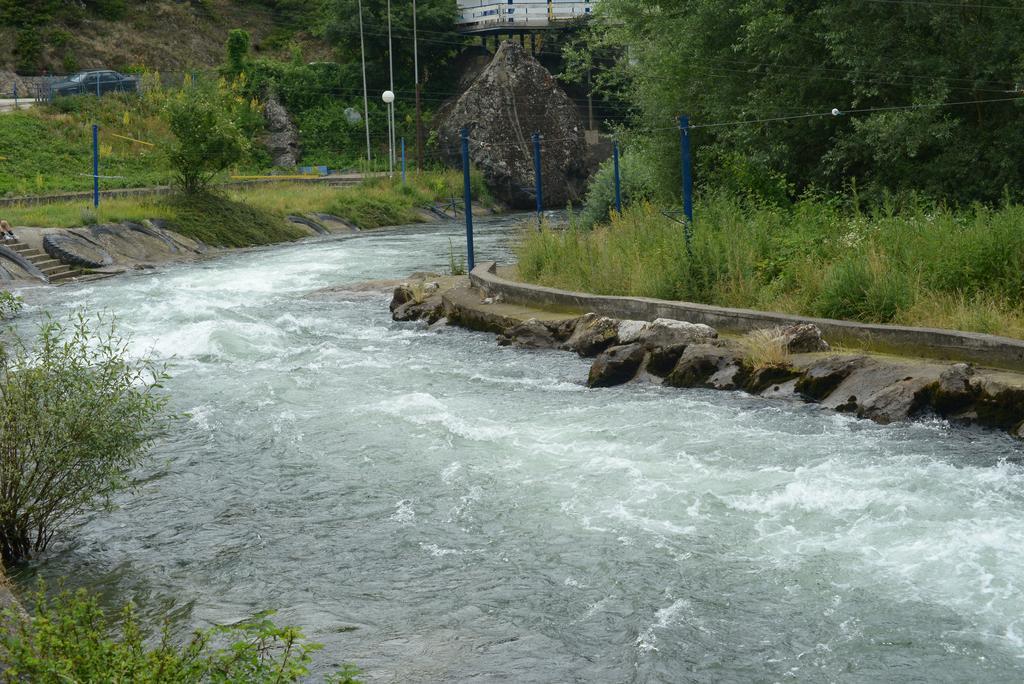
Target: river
<point>436,508</point>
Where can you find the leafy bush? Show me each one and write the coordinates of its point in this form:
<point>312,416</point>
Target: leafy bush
<point>237,51</point>
<point>77,415</point>
<point>863,288</point>
<point>210,134</point>
<point>636,181</point>
<point>70,639</point>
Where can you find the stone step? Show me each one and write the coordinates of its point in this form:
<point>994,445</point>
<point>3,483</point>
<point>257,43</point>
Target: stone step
<point>45,263</point>
<point>66,275</point>
<point>54,270</point>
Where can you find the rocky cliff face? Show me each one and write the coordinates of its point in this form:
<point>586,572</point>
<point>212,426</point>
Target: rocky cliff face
<point>282,139</point>
<point>513,97</point>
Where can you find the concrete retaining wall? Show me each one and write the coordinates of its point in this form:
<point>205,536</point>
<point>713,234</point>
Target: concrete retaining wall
<point>985,350</point>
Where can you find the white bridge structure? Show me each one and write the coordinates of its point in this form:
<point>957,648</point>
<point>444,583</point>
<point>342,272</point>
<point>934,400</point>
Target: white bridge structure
<point>516,16</point>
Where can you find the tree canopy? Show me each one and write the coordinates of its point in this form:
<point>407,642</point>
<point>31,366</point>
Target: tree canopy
<point>907,63</point>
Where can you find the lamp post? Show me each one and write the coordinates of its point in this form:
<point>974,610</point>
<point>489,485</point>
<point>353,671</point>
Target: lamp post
<point>366,99</point>
<point>391,87</point>
<point>416,67</point>
<point>389,100</point>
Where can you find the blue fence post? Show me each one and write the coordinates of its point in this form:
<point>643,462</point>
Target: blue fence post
<point>468,194</point>
<point>687,166</point>
<point>95,166</point>
<point>618,179</point>
<point>538,180</point>
<point>403,161</point>
<point>15,97</point>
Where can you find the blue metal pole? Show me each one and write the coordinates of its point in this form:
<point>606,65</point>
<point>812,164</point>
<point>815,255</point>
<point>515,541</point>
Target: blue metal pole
<point>468,193</point>
<point>95,165</point>
<point>538,180</point>
<point>687,164</point>
<point>403,161</point>
<point>15,97</point>
<point>618,179</point>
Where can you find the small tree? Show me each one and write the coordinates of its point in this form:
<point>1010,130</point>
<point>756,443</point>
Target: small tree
<point>76,416</point>
<point>209,126</point>
<point>237,52</point>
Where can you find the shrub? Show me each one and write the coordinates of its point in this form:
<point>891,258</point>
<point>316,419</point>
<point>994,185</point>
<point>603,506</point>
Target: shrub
<point>637,185</point>
<point>863,288</point>
<point>70,639</point>
<point>210,135</point>
<point>77,415</point>
<point>237,51</point>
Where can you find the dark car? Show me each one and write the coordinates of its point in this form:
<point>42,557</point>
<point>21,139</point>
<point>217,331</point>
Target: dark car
<point>94,83</point>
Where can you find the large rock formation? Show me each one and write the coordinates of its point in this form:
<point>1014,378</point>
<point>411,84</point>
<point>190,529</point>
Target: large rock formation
<point>510,100</point>
<point>282,138</point>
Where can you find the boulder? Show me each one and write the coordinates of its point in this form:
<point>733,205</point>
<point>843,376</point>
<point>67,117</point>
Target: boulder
<point>531,334</point>
<point>616,366</point>
<point>885,392</point>
<point>700,363</point>
<point>592,334</point>
<point>955,392</point>
<point>431,310</point>
<point>282,139</point>
<point>803,338</point>
<point>402,295</point>
<point>511,99</point>
<point>822,377</point>
<point>665,333</point>
<point>665,339</point>
<point>762,379</point>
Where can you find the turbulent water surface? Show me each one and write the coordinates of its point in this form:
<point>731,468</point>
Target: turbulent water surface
<point>436,508</point>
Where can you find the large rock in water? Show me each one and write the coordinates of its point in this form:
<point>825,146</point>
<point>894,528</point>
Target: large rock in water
<point>510,100</point>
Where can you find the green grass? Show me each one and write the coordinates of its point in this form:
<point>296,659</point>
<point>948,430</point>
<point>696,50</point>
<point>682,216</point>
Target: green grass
<point>256,215</point>
<point>48,149</point>
<point>927,266</point>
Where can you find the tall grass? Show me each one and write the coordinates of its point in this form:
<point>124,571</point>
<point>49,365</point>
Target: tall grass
<point>922,265</point>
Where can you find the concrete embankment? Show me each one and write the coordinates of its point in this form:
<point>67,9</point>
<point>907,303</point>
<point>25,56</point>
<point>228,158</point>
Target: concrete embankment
<point>674,344</point>
<point>110,248</point>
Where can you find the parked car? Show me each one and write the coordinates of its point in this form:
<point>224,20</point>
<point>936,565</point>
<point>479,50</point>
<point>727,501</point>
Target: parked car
<point>94,83</point>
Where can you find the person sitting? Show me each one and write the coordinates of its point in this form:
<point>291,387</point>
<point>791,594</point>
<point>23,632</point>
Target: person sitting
<point>6,232</point>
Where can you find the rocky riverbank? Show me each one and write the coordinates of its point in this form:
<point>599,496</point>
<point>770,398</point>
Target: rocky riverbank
<point>785,362</point>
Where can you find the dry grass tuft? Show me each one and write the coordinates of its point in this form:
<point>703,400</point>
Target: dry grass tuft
<point>765,349</point>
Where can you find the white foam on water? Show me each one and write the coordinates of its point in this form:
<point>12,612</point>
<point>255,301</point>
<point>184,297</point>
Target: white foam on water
<point>404,513</point>
<point>663,618</point>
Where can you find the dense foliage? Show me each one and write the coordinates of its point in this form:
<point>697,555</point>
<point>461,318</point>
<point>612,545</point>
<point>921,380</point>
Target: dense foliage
<point>213,129</point>
<point>69,638</point>
<point>722,61</point>
<point>77,415</point>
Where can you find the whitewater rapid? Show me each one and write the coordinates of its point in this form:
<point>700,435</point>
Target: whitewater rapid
<point>436,508</point>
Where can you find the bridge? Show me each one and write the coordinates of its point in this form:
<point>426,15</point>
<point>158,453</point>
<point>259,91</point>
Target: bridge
<point>480,17</point>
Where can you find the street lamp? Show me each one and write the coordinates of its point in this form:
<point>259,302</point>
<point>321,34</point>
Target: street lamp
<point>389,100</point>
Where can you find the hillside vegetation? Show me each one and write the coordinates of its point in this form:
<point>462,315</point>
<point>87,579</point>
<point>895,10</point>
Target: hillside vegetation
<point>166,35</point>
